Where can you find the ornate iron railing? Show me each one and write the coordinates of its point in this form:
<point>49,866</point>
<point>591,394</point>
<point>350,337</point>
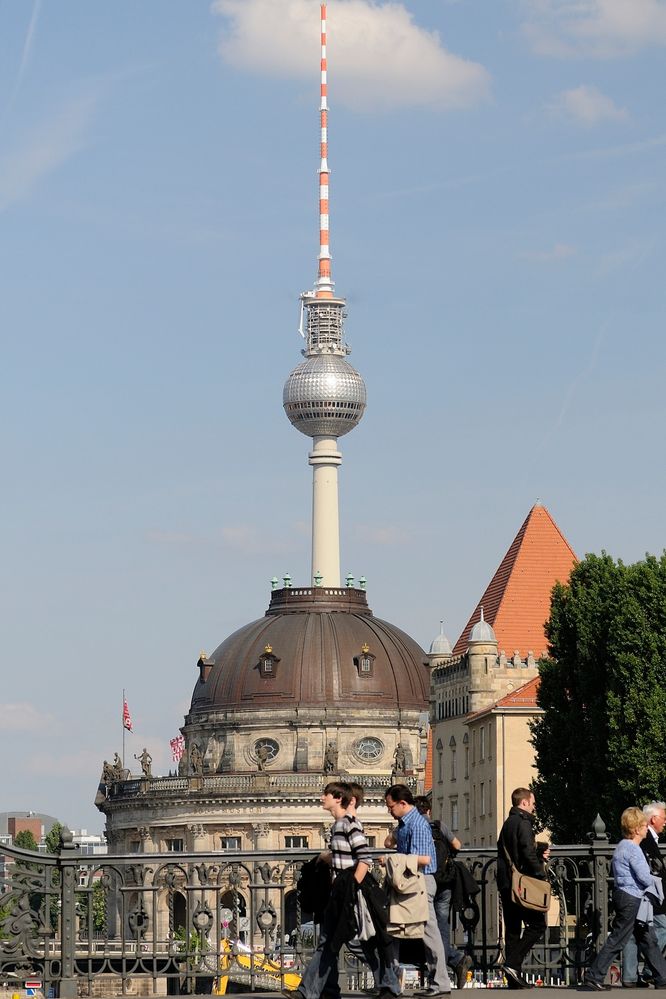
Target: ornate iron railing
<point>181,922</point>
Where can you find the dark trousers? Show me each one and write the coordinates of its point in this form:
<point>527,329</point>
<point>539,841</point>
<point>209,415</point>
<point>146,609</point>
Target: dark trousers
<point>624,924</point>
<point>518,941</point>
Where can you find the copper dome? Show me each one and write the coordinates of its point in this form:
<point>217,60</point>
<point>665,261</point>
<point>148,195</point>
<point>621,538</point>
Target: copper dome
<point>314,646</point>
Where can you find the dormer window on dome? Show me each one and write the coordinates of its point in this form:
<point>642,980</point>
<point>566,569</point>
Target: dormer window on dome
<point>365,662</point>
<point>268,662</point>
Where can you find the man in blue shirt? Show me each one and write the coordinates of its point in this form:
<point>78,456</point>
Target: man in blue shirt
<point>414,837</point>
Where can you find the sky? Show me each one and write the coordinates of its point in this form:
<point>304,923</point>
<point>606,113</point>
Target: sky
<point>497,228</point>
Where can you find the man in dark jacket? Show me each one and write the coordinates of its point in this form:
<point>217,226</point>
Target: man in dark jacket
<point>517,840</point>
<point>655,813</point>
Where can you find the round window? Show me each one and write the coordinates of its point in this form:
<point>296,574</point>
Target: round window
<point>266,749</point>
<point>369,749</point>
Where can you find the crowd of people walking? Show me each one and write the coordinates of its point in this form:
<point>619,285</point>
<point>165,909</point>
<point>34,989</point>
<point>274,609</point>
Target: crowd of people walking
<point>422,878</point>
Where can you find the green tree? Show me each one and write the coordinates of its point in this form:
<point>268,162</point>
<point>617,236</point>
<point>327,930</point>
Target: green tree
<point>600,742</point>
<point>52,838</point>
<point>25,840</point>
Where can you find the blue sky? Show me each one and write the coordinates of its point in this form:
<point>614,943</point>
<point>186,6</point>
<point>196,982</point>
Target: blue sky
<point>497,227</point>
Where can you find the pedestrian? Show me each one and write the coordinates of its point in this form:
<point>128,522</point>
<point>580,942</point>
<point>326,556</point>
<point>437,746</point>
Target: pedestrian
<point>351,864</point>
<point>516,845</point>
<point>372,952</point>
<point>631,880</point>
<point>413,836</point>
<point>446,845</point>
<point>655,813</point>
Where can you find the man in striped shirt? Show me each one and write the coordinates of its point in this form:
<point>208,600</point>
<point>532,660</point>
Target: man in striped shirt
<point>413,836</point>
<point>349,849</point>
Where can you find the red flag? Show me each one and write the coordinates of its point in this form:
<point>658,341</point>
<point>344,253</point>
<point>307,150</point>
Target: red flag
<point>177,748</point>
<point>127,721</point>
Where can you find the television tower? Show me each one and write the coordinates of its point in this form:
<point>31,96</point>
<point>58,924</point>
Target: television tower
<point>324,397</point>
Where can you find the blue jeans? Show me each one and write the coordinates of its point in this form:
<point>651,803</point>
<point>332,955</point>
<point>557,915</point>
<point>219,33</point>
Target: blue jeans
<point>321,974</point>
<point>624,925</point>
<point>630,952</point>
<point>442,903</point>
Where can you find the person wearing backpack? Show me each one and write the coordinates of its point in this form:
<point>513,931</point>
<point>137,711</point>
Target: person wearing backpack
<point>446,846</point>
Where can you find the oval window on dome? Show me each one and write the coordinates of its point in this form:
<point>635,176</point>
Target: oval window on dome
<point>369,749</point>
<point>265,750</point>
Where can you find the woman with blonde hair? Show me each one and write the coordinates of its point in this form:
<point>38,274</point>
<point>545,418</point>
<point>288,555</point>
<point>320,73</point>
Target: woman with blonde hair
<point>632,879</point>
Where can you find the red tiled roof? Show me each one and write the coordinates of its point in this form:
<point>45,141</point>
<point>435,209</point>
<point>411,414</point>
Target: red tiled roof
<point>517,600</point>
<point>524,697</point>
<point>428,764</point>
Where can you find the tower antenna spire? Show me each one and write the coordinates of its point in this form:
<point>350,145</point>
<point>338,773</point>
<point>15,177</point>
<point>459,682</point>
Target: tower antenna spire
<point>324,284</point>
<point>324,397</point>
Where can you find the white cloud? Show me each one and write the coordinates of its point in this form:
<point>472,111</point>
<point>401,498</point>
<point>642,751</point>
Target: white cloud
<point>560,251</point>
<point>42,151</point>
<point>587,105</point>
<point>600,28</point>
<point>378,56</point>
<point>22,716</point>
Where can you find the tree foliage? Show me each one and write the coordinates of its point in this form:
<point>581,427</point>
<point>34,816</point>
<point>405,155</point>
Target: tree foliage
<point>25,840</point>
<point>52,838</point>
<point>600,744</point>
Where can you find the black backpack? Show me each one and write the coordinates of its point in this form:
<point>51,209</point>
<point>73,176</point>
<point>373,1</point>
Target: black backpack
<point>445,874</point>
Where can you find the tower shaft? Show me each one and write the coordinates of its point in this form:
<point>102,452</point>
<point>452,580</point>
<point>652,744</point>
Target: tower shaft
<point>325,460</point>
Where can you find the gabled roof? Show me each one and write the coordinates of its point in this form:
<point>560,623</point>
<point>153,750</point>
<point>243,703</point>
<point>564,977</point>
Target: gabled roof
<point>524,698</point>
<point>517,601</point>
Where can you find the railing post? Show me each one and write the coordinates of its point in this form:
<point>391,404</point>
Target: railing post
<point>601,866</point>
<point>67,863</point>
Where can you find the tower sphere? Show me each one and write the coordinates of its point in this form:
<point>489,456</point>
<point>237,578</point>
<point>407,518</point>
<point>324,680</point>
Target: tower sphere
<point>324,396</point>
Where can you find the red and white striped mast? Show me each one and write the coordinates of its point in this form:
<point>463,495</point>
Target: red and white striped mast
<point>323,284</point>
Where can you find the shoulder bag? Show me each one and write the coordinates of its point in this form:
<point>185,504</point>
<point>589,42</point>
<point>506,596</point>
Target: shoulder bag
<point>530,892</point>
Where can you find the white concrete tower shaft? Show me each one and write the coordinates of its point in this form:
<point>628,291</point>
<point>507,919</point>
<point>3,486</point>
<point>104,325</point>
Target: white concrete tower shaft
<point>324,397</point>
<point>325,460</point>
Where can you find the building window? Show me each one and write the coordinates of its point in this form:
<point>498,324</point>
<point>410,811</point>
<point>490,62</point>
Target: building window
<point>296,842</point>
<point>135,846</point>
<point>268,662</point>
<point>466,745</point>
<point>440,761</point>
<point>482,798</point>
<point>454,814</point>
<point>365,661</point>
<point>466,807</point>
<point>369,749</point>
<point>482,743</point>
<point>490,741</point>
<point>372,840</point>
<point>265,750</point>
<point>454,766</point>
<point>230,842</point>
<point>175,845</point>
<point>490,797</point>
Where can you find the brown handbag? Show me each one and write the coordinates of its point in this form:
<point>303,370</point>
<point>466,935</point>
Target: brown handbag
<point>530,892</point>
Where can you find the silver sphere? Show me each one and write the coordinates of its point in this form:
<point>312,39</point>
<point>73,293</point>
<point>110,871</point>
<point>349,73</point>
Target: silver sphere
<point>324,396</point>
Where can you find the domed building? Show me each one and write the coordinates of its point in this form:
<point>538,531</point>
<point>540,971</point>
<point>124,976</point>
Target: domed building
<point>317,688</point>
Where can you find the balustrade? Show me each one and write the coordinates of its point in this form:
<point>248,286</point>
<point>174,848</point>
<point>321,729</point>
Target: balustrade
<point>179,922</point>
